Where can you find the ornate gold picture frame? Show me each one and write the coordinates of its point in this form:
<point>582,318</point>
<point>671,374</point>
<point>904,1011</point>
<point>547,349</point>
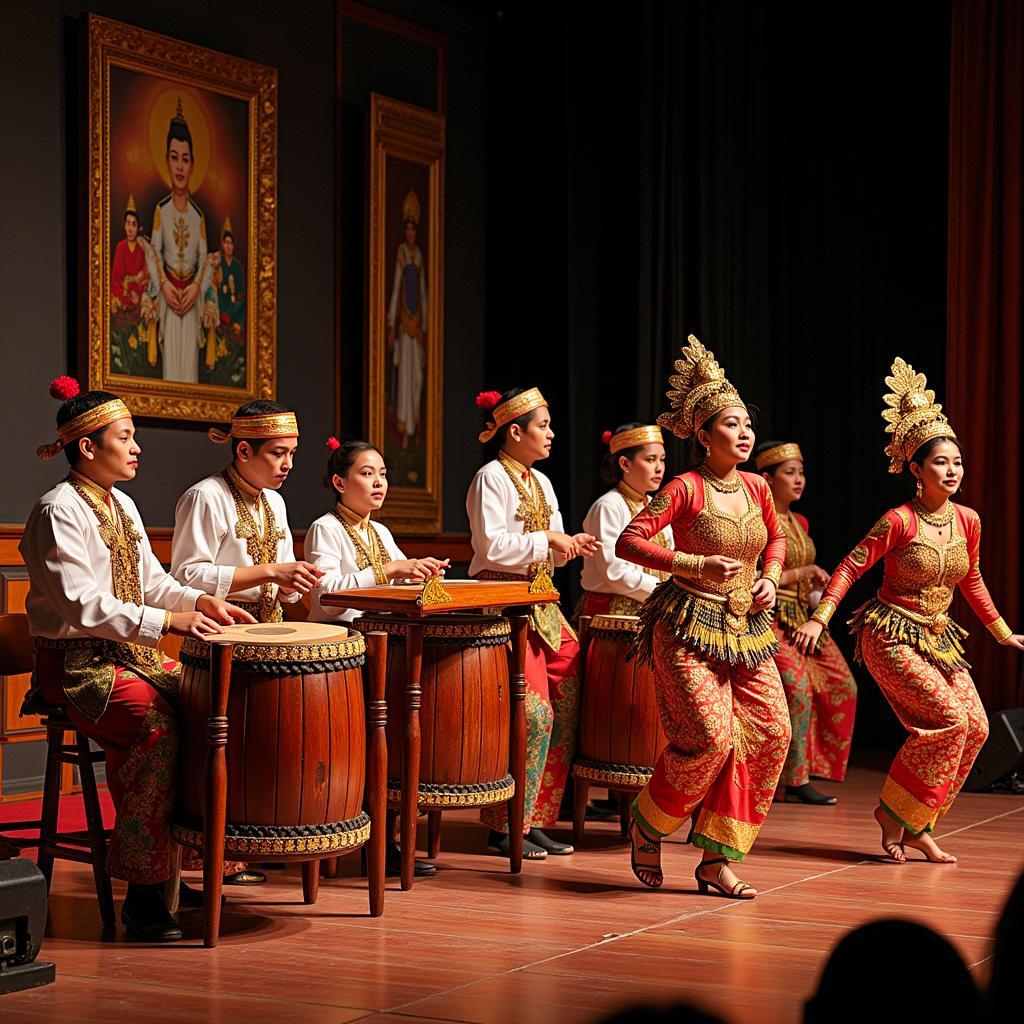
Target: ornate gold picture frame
<point>180,276</point>
<point>405,319</point>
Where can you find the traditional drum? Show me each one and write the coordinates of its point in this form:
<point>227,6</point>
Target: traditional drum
<point>620,734</point>
<point>464,716</point>
<point>296,742</point>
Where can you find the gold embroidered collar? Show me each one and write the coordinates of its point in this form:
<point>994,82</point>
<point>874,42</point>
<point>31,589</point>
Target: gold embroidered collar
<point>361,523</point>
<point>634,499</point>
<point>247,489</point>
<point>102,497</point>
<point>517,467</point>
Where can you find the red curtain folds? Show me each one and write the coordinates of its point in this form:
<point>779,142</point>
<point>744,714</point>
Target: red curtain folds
<point>984,323</point>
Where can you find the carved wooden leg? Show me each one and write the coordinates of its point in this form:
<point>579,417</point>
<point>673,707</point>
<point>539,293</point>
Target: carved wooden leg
<point>580,796</point>
<point>216,791</point>
<point>411,774</point>
<point>310,880</point>
<point>94,823</point>
<point>377,769</point>
<point>517,743</point>
<point>433,834</point>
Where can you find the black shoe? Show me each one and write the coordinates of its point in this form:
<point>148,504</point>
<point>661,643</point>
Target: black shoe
<point>189,897</point>
<point>393,864</point>
<point>807,794</point>
<point>245,877</point>
<point>547,844</point>
<point>146,918</point>
<point>499,843</point>
<point>603,810</point>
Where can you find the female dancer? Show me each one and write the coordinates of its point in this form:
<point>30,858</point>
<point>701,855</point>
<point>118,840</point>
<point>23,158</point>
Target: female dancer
<point>517,534</point>
<point>634,466</point>
<point>351,551</point>
<point>708,632</point>
<point>904,634</point>
<point>820,689</point>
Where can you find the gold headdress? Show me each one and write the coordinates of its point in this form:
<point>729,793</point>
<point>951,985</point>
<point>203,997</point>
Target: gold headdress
<point>93,419</point>
<point>130,208</point>
<point>411,209</point>
<point>270,424</point>
<point>179,115</point>
<point>699,390</point>
<point>913,414</point>
<point>517,406</point>
<point>226,228</point>
<point>778,453</point>
<point>634,437</point>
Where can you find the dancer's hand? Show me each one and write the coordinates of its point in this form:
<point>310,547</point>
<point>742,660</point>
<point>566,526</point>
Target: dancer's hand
<point>818,576</point>
<point>586,545</point>
<point>1014,641</point>
<point>720,568</point>
<point>763,593</point>
<point>805,638</point>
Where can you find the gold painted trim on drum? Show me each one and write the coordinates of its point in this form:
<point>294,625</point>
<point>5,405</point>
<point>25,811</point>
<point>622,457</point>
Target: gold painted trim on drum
<point>615,624</point>
<point>456,798</point>
<point>352,647</point>
<point>610,777</point>
<point>487,628</point>
<point>247,847</point>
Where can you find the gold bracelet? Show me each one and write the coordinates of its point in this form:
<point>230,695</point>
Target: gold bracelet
<point>824,612</point>
<point>1000,630</point>
<point>167,623</point>
<point>773,572</point>
<point>687,565</point>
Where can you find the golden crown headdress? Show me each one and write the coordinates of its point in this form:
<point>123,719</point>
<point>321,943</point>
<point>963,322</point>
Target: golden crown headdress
<point>179,115</point>
<point>411,209</point>
<point>699,390</point>
<point>913,415</point>
<point>226,228</point>
<point>130,208</point>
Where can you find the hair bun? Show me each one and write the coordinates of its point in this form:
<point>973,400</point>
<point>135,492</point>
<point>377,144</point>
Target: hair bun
<point>606,437</point>
<point>333,443</point>
<point>64,388</point>
<point>488,399</point>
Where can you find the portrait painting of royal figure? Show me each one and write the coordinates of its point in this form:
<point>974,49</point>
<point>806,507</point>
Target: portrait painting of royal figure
<point>171,324</point>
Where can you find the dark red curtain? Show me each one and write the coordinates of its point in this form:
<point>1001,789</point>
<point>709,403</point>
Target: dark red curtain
<point>984,333</point>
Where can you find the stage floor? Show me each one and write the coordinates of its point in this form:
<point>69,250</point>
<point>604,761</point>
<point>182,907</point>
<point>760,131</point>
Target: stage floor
<point>568,940</point>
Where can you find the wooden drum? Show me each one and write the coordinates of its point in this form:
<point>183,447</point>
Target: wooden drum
<point>620,734</point>
<point>465,710</point>
<point>296,742</point>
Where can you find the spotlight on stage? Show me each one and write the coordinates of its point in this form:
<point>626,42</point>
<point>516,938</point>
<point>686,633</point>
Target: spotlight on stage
<point>1003,753</point>
<point>22,920</point>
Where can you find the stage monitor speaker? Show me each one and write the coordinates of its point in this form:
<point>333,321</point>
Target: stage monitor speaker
<point>22,922</point>
<point>1003,752</point>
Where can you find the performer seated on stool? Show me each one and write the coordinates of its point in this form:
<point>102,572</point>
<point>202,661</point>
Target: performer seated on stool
<point>231,535</point>
<point>517,535</point>
<point>633,467</point>
<point>98,604</point>
<point>350,551</point>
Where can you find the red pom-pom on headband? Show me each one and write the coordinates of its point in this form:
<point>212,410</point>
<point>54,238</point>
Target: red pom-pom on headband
<point>606,437</point>
<point>488,399</point>
<point>64,388</point>
<point>333,443</point>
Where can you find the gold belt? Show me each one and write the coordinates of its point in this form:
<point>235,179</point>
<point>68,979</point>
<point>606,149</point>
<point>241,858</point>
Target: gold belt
<point>937,623</point>
<point>793,595</point>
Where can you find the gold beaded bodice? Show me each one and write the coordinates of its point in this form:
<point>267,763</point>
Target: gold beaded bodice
<point>743,537</point>
<point>923,574</point>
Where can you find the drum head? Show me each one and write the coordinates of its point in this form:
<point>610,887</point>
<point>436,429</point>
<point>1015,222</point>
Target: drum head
<point>277,633</point>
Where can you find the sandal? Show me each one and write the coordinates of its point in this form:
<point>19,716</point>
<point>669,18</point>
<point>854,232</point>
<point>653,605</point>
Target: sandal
<point>737,892</point>
<point>649,876</point>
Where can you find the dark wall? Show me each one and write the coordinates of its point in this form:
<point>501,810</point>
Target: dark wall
<point>37,41</point>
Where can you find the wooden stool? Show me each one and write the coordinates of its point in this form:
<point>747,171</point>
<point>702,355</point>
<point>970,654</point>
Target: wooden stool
<point>90,846</point>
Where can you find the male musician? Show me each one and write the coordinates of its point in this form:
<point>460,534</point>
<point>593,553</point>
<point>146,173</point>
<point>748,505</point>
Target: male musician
<point>98,604</point>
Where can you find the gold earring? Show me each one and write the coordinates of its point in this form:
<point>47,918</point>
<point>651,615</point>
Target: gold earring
<point>920,488</point>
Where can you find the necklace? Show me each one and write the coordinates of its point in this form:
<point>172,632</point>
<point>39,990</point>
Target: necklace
<point>720,485</point>
<point>936,519</point>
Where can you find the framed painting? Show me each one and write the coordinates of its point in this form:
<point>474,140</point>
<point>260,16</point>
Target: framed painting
<point>405,318</point>
<point>180,277</point>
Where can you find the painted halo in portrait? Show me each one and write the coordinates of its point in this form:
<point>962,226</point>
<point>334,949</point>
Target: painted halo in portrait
<point>405,336</point>
<point>181,225</point>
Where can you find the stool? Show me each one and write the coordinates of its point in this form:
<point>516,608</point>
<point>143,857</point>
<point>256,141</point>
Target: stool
<point>90,846</point>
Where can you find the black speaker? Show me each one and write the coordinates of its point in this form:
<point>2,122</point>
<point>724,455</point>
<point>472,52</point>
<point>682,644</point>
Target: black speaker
<point>22,921</point>
<point>1003,752</point>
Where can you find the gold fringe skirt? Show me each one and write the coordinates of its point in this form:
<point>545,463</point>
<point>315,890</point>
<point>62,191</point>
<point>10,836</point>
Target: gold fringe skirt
<point>942,647</point>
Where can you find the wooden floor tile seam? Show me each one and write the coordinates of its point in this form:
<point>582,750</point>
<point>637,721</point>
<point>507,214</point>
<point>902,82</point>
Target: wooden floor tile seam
<point>688,916</point>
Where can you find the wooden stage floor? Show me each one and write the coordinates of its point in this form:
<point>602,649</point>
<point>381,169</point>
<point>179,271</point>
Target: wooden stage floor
<point>567,941</point>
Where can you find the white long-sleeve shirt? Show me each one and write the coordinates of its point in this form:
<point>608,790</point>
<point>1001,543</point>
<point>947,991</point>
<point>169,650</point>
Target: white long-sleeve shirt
<point>206,551</point>
<point>604,572</point>
<point>500,543</point>
<point>71,584</point>
<point>330,548</point>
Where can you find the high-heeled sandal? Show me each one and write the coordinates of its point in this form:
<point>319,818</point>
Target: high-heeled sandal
<point>649,845</point>
<point>703,884</point>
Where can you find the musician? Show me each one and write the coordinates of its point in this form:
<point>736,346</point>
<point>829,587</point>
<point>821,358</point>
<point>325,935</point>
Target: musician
<point>231,535</point>
<point>351,551</point>
<point>517,534</point>
<point>633,467</point>
<point>98,604</point>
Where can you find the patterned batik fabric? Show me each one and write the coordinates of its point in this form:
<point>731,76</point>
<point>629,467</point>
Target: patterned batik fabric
<point>552,717</point>
<point>822,698</point>
<point>943,714</point>
<point>728,731</point>
<point>139,735</point>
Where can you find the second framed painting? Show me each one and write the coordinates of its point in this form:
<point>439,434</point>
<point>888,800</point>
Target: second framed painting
<point>405,335</point>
